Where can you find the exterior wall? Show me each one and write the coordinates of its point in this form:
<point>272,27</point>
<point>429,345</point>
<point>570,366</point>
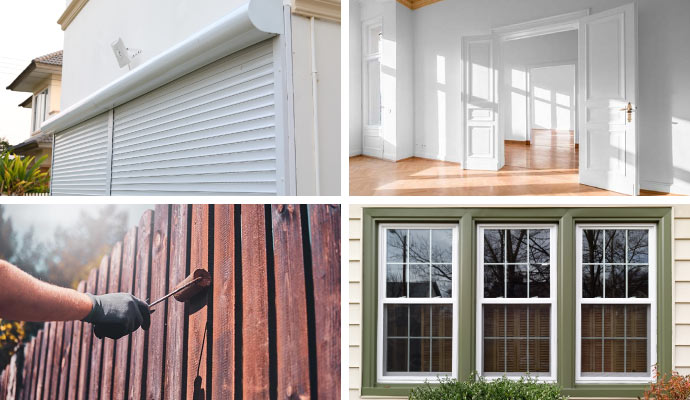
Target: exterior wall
<point>327,52</point>
<point>54,85</point>
<point>89,63</point>
<point>663,53</point>
<point>681,277</point>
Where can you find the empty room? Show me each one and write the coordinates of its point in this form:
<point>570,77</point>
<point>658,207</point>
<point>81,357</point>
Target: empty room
<point>565,97</point>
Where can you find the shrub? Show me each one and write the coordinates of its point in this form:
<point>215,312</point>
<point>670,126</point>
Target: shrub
<point>478,388</point>
<point>668,387</point>
<point>19,176</point>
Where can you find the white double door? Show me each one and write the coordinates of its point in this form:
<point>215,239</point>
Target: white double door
<point>606,90</point>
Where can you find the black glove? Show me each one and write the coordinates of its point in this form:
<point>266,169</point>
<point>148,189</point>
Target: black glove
<point>115,315</point>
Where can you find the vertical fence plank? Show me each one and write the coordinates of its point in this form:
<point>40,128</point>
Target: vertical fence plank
<point>57,358</point>
<point>121,362</point>
<point>75,349</point>
<point>324,228</point>
<point>48,370</point>
<point>175,342</point>
<point>198,336</point>
<point>38,367</point>
<point>141,290</point>
<point>109,344</point>
<point>159,287</point>
<point>291,306</point>
<point>87,338</point>
<point>255,345</point>
<point>28,362</point>
<point>97,346</point>
<point>65,360</point>
<point>223,357</point>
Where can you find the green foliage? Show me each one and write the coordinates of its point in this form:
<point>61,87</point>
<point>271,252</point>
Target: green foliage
<point>668,387</point>
<point>19,176</point>
<point>4,145</point>
<point>478,388</point>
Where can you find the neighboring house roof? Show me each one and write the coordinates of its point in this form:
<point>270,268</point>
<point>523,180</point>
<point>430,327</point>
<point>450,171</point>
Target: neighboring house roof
<point>28,103</point>
<point>40,140</point>
<point>40,68</point>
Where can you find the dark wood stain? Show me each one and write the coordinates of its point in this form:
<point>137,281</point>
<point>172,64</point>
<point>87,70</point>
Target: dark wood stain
<point>109,344</point>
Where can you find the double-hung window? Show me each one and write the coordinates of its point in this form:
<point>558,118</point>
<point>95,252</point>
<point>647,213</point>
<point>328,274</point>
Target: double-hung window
<point>417,307</point>
<point>516,307</point>
<point>616,296</point>
<point>40,109</point>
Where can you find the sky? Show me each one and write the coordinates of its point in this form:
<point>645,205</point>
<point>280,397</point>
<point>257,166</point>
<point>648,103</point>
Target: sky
<point>28,29</point>
<point>45,218</point>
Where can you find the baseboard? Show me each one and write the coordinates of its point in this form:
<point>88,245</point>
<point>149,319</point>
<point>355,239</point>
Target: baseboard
<point>525,142</point>
<point>674,188</point>
<point>354,153</point>
<point>431,156</point>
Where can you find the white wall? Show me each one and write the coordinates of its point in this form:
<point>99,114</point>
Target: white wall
<point>553,99</point>
<point>152,26</point>
<point>355,73</point>
<point>664,84</point>
<point>405,81</point>
<point>518,57</point>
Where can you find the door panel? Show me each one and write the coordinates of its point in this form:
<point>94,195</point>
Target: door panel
<point>481,108</point>
<point>607,56</point>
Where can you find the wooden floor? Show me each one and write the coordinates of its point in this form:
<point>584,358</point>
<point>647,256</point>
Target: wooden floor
<point>548,166</point>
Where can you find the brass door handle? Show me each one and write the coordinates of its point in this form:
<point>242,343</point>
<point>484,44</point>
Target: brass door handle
<point>629,109</point>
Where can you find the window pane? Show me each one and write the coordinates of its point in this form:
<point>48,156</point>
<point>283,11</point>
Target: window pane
<point>374,39</point>
<point>396,320</point>
<point>441,245</point>
<point>441,280</point>
<point>638,281</point>
<point>396,280</point>
<point>509,330</point>
<point>420,355</point>
<point>539,246</point>
<point>615,281</point>
<point>517,246</point>
<point>419,280</point>
<point>396,245</point>
<point>374,88</point>
<point>419,245</point>
<point>539,281</point>
<point>494,280</point>
<point>442,320</point>
<point>420,320</point>
<point>615,246</point>
<point>592,245</point>
<point>614,338</point>
<point>637,246</point>
<point>396,354</point>
<point>494,245</point>
<point>517,281</point>
<point>592,281</point>
<point>442,355</point>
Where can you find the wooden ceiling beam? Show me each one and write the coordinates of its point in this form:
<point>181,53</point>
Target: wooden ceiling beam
<point>415,4</point>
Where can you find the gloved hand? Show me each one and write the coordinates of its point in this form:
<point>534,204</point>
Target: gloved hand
<point>115,315</point>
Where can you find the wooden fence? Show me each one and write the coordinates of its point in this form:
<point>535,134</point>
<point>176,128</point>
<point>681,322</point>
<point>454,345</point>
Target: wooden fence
<point>267,328</point>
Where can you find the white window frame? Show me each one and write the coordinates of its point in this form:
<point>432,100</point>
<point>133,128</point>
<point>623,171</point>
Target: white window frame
<point>651,300</point>
<point>382,300</point>
<point>366,57</point>
<point>35,124</point>
<point>552,300</point>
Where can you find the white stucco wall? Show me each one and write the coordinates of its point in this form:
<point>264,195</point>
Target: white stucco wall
<point>152,26</point>
<point>518,57</point>
<point>664,84</point>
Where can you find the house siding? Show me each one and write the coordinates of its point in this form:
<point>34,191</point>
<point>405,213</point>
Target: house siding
<point>681,283</point>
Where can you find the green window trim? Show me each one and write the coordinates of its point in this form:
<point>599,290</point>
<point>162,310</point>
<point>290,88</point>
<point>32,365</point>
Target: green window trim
<point>566,219</point>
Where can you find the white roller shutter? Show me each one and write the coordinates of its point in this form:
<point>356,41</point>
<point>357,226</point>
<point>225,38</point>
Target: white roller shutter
<point>212,131</point>
<point>80,159</point>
